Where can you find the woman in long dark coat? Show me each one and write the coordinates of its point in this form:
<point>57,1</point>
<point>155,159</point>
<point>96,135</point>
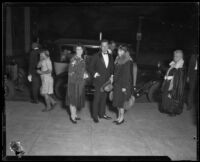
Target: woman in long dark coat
<point>76,81</point>
<point>173,86</point>
<point>122,82</point>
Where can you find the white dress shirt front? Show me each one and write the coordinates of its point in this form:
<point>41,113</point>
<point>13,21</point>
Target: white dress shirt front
<point>106,59</point>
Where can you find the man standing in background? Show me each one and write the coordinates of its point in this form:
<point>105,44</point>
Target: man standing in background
<point>192,78</point>
<point>33,76</point>
<point>113,49</point>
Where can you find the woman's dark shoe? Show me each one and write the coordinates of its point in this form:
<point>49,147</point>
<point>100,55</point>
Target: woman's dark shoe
<point>73,121</point>
<point>96,120</point>
<point>106,117</point>
<point>118,123</point>
<point>171,115</point>
<point>53,106</point>
<point>35,101</point>
<point>115,121</point>
<point>77,118</point>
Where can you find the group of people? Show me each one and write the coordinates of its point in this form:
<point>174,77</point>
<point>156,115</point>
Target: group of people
<point>101,69</point>
<point>114,66</point>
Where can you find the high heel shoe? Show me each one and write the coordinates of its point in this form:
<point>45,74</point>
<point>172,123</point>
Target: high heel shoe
<point>53,106</point>
<point>118,123</point>
<point>77,118</point>
<point>73,121</point>
<point>115,121</point>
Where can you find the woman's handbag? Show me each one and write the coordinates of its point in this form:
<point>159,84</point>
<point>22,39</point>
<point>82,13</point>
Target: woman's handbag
<point>111,95</point>
<point>128,104</point>
<point>107,87</point>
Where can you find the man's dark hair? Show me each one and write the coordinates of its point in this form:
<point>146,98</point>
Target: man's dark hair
<point>63,48</point>
<point>112,41</point>
<point>104,40</point>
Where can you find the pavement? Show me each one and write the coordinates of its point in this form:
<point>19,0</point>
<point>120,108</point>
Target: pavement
<point>146,132</point>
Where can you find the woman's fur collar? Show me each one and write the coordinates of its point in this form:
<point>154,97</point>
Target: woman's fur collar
<point>177,65</point>
<point>123,59</point>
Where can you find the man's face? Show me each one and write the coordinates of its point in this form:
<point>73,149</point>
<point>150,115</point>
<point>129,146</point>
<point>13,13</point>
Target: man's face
<point>65,52</point>
<point>112,46</point>
<point>104,47</point>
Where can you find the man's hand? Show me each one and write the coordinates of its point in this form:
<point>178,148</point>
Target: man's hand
<point>30,78</point>
<point>123,89</point>
<point>111,79</point>
<point>96,75</point>
<point>85,76</point>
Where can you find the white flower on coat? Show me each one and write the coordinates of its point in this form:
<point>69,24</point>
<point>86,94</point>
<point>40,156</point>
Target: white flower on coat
<point>73,63</point>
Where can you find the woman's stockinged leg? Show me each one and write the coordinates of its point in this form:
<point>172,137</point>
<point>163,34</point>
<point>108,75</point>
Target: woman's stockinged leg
<point>53,102</point>
<point>121,114</point>
<point>73,112</point>
<point>47,102</point>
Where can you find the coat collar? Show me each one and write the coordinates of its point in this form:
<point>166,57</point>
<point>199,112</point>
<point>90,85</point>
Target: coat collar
<point>123,59</point>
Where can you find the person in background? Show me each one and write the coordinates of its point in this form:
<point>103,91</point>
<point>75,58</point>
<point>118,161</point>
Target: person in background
<point>122,82</point>
<point>77,74</point>
<point>65,55</point>
<point>113,49</point>
<point>134,67</point>
<point>44,70</point>
<point>192,79</point>
<point>173,86</point>
<point>33,76</point>
<point>101,70</point>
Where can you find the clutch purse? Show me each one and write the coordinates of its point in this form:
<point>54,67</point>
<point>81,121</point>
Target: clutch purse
<point>128,104</point>
<point>106,87</point>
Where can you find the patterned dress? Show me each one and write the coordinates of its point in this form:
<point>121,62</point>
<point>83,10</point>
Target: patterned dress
<point>47,79</point>
<point>76,90</point>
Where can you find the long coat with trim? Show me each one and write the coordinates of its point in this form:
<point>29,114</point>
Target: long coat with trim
<point>122,79</point>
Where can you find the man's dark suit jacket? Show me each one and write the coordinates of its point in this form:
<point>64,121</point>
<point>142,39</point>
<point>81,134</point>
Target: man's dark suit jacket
<point>97,65</point>
<point>33,61</point>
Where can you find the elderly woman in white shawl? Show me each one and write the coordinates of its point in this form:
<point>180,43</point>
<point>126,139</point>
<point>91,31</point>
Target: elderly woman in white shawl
<point>173,86</point>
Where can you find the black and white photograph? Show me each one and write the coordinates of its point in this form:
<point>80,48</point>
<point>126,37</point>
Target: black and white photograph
<point>100,79</point>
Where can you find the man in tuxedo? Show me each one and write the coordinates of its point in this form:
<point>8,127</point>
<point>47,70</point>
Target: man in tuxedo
<point>33,76</point>
<point>101,69</point>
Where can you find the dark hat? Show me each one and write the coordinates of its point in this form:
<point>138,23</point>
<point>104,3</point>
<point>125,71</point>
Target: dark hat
<point>35,45</point>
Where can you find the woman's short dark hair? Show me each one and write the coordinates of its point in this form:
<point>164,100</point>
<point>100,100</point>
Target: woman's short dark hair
<point>123,47</point>
<point>80,45</point>
<point>46,52</point>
